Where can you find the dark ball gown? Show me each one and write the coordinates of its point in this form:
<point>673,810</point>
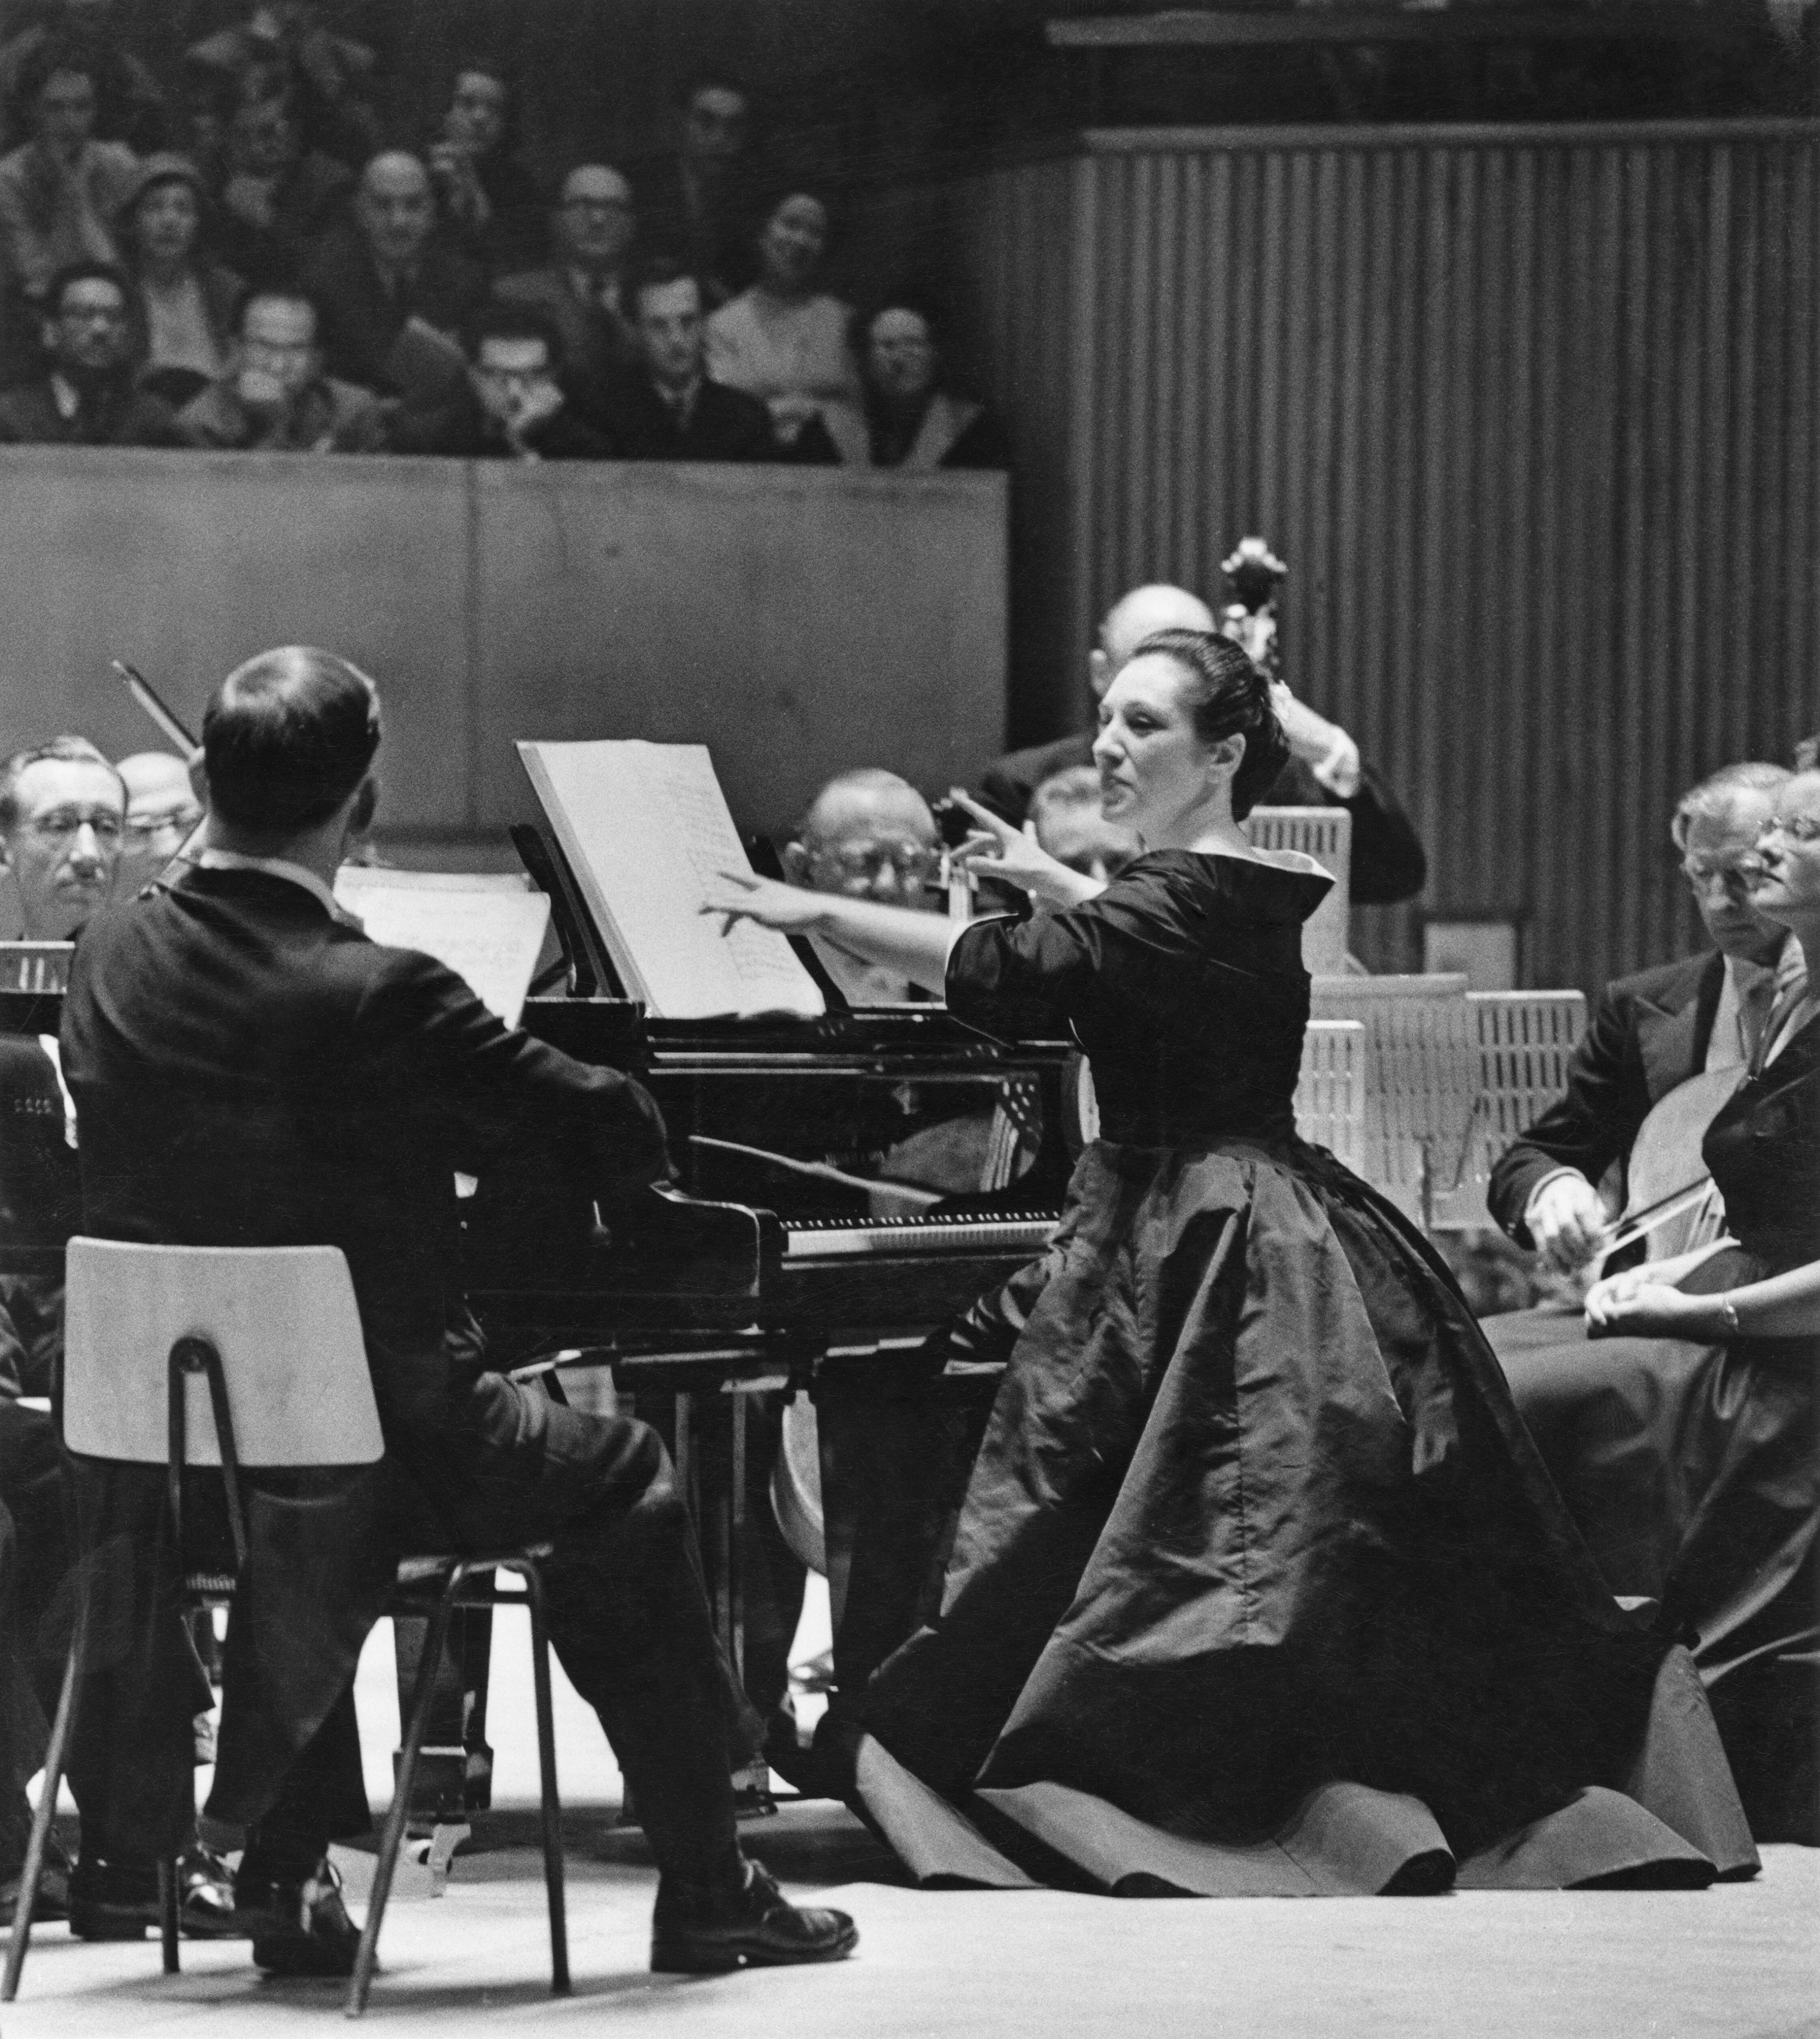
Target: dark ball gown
<point>1258,1585</point>
<point>1693,1470</point>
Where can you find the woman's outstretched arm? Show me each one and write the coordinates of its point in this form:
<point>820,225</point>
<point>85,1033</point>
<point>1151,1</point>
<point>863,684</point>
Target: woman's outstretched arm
<point>916,944</point>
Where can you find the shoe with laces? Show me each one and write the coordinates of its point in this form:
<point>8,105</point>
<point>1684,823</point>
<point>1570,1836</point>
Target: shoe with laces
<point>700,1929</point>
<point>301,1927</point>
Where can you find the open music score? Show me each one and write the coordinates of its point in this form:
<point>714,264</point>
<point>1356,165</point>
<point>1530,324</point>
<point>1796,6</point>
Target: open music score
<point>487,927</point>
<point>647,829</point>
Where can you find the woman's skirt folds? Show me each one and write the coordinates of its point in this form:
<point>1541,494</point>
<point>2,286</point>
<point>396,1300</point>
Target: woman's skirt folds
<point>1259,1583</point>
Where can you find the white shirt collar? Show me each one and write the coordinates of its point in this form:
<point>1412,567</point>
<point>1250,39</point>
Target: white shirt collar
<point>278,867</point>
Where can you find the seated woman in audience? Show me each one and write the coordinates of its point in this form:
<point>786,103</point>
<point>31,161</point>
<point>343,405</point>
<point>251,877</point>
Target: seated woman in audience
<point>910,418</point>
<point>1699,1413</point>
<point>186,302</point>
<point>1255,1547</point>
<point>786,339</point>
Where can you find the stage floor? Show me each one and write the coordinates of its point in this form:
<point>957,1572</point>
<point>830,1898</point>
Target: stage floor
<point>1740,1961</point>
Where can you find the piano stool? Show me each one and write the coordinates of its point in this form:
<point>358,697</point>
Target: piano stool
<point>275,1334</point>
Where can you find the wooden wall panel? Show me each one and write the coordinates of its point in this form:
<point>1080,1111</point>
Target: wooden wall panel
<point>1531,414</point>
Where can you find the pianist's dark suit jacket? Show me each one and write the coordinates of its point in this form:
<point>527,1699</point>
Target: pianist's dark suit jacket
<point>248,1071</point>
<point>1648,1034</point>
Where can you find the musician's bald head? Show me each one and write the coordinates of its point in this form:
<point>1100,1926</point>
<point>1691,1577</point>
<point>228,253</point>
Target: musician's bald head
<point>867,833</point>
<point>288,743</point>
<point>1138,614</point>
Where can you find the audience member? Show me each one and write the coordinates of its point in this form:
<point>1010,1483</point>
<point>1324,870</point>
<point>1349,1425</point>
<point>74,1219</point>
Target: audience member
<point>1388,860</point>
<point>1067,821</point>
<point>283,47</point>
<point>162,812</point>
<point>695,202</point>
<point>1807,754</point>
<point>130,102</point>
<point>1651,1033</point>
<point>186,302</point>
<point>275,197</point>
<point>669,407</point>
<point>274,397</point>
<point>88,396</point>
<point>870,835</point>
<point>786,339</point>
<point>909,418</point>
<point>61,193</point>
<point>512,406</point>
<point>386,271</point>
<point>490,201</point>
<point>582,289</point>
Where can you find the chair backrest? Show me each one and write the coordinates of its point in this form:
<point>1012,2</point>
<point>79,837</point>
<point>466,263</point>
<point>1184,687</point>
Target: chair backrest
<point>1324,833</point>
<point>1421,1077</point>
<point>284,1319</point>
<point>1525,1041</point>
<point>1330,1092</point>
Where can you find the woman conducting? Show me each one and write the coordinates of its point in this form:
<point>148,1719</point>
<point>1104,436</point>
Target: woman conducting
<point>1258,1584</point>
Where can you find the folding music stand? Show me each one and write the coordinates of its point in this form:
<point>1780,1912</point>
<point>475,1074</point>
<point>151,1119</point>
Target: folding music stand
<point>1330,1092</point>
<point>1324,833</point>
<point>1525,1042</point>
<point>1421,1064</point>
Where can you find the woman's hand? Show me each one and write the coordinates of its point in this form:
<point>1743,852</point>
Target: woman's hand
<point>788,908</point>
<point>1638,1303</point>
<point>997,850</point>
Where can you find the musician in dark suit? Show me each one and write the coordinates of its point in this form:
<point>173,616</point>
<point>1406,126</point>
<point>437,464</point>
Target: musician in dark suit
<point>249,1069</point>
<point>669,407</point>
<point>1651,1032</point>
<point>1325,769</point>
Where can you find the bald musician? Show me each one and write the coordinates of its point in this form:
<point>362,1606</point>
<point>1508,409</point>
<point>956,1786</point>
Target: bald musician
<point>249,1069</point>
<point>1324,768</point>
<point>870,835</point>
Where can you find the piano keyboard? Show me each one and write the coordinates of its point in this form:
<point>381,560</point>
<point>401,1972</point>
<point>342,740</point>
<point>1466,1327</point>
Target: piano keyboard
<point>842,1238</point>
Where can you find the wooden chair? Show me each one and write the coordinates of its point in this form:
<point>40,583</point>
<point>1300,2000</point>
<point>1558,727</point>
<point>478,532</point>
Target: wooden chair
<point>273,1335</point>
<point>1525,1041</point>
<point>1422,1076</point>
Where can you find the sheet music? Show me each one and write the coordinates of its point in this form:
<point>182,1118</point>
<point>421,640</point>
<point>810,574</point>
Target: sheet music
<point>487,927</point>
<point>647,828</point>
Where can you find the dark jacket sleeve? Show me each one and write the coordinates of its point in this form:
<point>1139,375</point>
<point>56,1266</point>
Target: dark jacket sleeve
<point>1388,862</point>
<point>1008,781</point>
<point>1591,1125</point>
<point>505,1093</point>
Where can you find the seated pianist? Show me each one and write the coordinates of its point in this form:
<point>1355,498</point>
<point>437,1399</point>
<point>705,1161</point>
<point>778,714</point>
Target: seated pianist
<point>62,819</point>
<point>266,1075</point>
<point>1324,768</point>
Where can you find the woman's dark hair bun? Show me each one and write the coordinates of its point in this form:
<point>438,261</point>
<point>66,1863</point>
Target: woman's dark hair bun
<point>1228,697</point>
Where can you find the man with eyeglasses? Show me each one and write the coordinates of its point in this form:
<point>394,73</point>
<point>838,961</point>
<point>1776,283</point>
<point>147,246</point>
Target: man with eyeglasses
<point>514,404</point>
<point>275,397</point>
<point>581,290</point>
<point>162,812</point>
<point>1653,1031</point>
<point>87,397</point>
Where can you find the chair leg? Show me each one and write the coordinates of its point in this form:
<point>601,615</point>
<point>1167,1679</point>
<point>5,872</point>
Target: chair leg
<point>168,1911</point>
<point>54,1757</point>
<point>394,1838</point>
<point>551,1802</point>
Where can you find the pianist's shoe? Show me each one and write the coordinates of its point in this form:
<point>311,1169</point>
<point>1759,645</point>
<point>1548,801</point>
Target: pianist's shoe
<point>117,1899</point>
<point>299,1925</point>
<point>700,1929</point>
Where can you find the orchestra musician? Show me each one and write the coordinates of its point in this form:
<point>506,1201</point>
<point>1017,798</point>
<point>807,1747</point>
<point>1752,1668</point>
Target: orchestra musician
<point>1254,1517</point>
<point>1323,768</point>
<point>249,1069</point>
<point>1686,1441</point>
<point>1652,1032</point>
